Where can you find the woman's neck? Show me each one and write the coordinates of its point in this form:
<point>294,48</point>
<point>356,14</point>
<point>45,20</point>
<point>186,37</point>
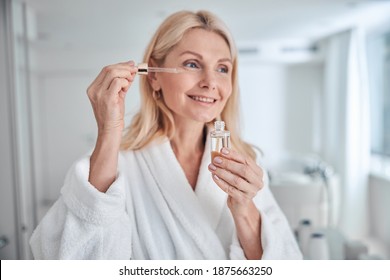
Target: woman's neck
<point>188,145</point>
<point>188,139</point>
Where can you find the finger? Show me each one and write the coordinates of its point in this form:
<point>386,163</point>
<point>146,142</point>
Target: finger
<point>99,79</point>
<point>126,73</point>
<point>105,78</point>
<point>229,189</point>
<point>122,94</point>
<point>236,181</point>
<point>117,85</point>
<point>241,169</point>
<point>131,63</point>
<point>234,155</point>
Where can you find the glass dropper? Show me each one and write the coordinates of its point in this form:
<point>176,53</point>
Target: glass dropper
<point>144,69</point>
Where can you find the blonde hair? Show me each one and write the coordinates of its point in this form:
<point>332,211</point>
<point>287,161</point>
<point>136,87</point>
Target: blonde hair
<point>155,120</point>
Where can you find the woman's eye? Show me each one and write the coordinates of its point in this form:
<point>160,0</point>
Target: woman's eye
<point>223,69</point>
<point>191,64</point>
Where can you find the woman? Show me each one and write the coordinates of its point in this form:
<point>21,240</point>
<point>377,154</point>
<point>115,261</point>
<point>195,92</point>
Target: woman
<point>153,193</point>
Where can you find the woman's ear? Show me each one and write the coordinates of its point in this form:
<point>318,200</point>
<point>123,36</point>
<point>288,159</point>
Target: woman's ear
<point>152,77</point>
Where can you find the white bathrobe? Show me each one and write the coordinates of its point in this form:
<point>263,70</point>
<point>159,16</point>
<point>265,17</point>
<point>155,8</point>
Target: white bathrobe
<point>151,212</point>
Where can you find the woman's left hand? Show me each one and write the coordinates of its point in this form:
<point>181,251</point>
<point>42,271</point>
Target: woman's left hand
<point>240,177</point>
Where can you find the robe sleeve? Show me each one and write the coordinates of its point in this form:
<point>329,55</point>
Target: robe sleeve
<point>277,237</point>
<point>85,223</point>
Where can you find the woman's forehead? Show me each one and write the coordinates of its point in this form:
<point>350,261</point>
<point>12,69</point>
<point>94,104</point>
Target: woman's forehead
<point>203,41</point>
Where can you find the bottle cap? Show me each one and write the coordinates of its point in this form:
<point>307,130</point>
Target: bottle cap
<point>219,125</point>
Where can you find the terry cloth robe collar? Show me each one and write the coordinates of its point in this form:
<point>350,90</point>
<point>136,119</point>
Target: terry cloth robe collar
<point>197,211</point>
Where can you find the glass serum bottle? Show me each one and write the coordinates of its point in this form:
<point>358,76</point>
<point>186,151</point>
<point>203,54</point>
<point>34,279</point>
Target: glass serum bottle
<point>220,138</point>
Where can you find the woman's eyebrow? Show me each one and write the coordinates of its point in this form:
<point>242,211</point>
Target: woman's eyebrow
<point>191,52</point>
<point>201,57</point>
<point>225,60</point>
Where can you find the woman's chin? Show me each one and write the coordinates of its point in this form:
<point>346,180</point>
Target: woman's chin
<point>204,119</point>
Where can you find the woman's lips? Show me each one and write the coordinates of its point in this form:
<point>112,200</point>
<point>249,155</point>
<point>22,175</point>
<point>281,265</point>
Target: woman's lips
<point>203,99</point>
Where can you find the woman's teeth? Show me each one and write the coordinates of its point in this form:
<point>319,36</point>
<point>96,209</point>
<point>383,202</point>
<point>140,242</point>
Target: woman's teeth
<point>203,99</point>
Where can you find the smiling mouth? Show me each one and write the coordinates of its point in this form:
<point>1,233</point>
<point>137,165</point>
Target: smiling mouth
<point>203,99</point>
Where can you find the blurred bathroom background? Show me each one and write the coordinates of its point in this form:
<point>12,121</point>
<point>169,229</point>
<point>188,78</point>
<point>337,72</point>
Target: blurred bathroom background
<point>315,97</point>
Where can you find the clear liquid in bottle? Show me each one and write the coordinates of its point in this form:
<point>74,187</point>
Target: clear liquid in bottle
<point>220,138</point>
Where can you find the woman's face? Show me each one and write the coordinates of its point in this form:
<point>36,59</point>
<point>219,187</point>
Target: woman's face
<point>200,91</point>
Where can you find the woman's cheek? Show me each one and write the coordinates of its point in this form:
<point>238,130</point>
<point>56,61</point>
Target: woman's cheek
<point>227,92</point>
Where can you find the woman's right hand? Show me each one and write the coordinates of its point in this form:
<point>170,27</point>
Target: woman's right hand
<point>107,95</point>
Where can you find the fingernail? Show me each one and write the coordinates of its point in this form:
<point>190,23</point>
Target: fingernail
<point>212,167</point>
<point>216,177</point>
<point>225,151</point>
<point>217,160</point>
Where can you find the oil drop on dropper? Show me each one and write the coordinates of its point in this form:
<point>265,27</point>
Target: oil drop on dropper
<point>220,138</point>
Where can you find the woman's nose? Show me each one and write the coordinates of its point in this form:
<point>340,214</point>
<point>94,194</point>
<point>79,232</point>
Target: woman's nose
<point>208,79</point>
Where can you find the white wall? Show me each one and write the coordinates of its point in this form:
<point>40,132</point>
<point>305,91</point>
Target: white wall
<point>64,131</point>
<point>279,105</point>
